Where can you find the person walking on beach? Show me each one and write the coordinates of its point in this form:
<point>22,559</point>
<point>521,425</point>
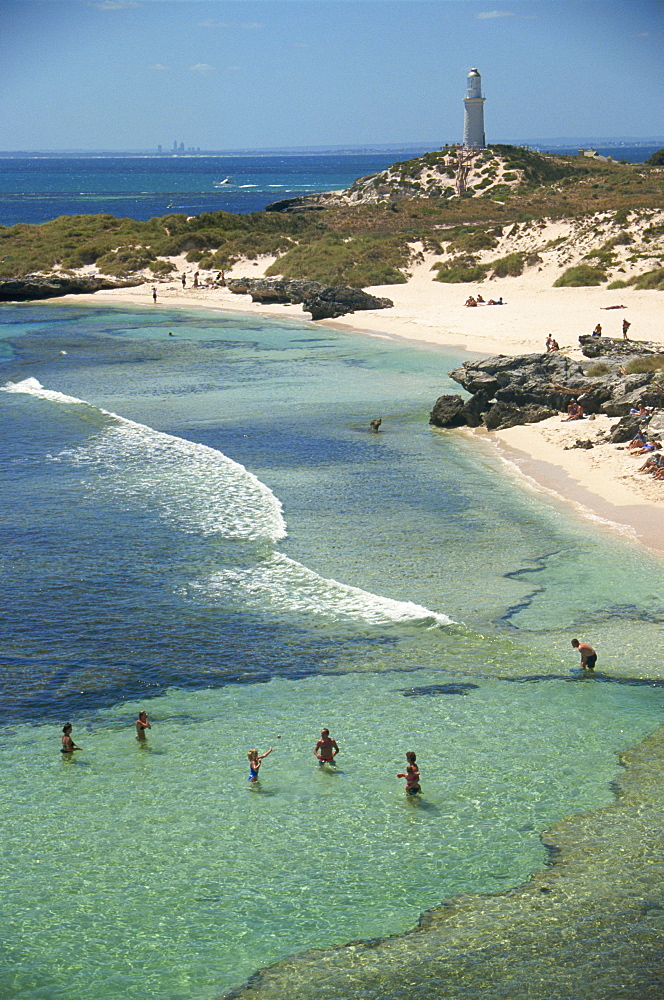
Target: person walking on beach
<point>68,745</point>
<point>255,760</point>
<point>626,326</point>
<point>142,723</point>
<point>326,749</point>
<point>588,654</point>
<point>184,280</point>
<point>154,295</point>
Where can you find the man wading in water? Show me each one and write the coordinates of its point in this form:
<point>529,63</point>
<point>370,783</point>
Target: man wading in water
<point>588,654</point>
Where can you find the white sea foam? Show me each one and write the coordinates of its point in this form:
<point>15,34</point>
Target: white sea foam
<point>199,490</point>
<point>284,585</point>
<point>191,485</point>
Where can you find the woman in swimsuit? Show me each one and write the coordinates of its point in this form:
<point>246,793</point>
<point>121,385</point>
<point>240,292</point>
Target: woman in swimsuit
<point>142,723</point>
<point>68,745</point>
<point>412,777</point>
<point>255,759</point>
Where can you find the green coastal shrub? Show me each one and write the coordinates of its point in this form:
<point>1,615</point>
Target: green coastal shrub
<point>510,266</point>
<point>161,268</point>
<point>580,276</point>
<point>649,363</point>
<point>599,368</point>
<point>459,273</point>
<point>338,259</point>
<point>127,260</point>
<point>649,280</point>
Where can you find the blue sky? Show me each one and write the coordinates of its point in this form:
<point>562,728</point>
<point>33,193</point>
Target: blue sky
<point>230,74</point>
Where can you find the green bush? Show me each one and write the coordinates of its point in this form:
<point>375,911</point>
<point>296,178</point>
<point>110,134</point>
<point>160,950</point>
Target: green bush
<point>161,267</point>
<point>649,363</point>
<point>127,260</point>
<point>657,159</point>
<point>599,368</point>
<point>336,259</point>
<point>458,273</point>
<point>648,281</point>
<point>510,266</point>
<point>580,276</point>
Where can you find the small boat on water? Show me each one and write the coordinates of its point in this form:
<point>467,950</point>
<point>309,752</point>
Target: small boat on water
<point>226,180</point>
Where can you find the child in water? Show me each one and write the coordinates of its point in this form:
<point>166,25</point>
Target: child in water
<point>412,777</point>
<point>255,759</point>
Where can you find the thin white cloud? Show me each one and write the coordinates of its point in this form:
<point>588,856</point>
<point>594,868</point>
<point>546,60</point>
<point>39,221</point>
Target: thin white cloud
<point>114,4</point>
<point>201,68</point>
<point>159,66</point>
<point>490,14</point>
<point>242,26</point>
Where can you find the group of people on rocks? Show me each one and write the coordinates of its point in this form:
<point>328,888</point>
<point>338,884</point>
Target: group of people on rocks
<point>597,332</point>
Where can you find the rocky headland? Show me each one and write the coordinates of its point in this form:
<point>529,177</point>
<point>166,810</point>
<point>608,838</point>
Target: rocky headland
<point>322,301</point>
<point>49,286</point>
<point>506,391</point>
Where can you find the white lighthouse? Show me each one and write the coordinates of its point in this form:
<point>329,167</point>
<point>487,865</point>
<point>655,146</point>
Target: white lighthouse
<point>473,119</point>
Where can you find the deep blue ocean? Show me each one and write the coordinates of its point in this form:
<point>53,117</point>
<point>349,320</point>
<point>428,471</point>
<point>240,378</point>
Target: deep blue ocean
<point>34,189</point>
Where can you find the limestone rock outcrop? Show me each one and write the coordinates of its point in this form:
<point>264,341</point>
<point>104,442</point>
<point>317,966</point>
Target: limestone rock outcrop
<point>39,286</point>
<point>322,301</point>
<point>506,391</point>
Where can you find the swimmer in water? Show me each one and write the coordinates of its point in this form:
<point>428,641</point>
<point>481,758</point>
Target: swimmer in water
<point>142,723</point>
<point>255,759</point>
<point>411,758</point>
<point>68,745</point>
<point>412,777</point>
<point>326,749</point>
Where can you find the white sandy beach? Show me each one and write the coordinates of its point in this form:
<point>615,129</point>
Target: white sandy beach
<point>601,483</point>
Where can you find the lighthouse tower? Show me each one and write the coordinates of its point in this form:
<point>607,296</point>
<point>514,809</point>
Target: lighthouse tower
<point>473,119</point>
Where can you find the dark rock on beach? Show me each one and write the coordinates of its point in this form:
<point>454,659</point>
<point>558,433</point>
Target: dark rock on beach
<point>506,391</point>
<point>38,286</point>
<point>322,301</point>
<point>604,347</point>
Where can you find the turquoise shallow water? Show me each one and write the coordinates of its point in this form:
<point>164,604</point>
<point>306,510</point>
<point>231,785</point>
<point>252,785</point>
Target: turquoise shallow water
<point>157,869</point>
<point>203,526</point>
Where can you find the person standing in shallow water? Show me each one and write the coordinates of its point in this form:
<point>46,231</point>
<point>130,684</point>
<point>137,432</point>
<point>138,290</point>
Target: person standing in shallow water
<point>68,745</point>
<point>412,777</point>
<point>142,723</point>
<point>588,654</point>
<point>255,760</point>
<point>326,749</point>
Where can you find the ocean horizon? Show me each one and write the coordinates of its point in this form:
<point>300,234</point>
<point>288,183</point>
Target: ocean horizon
<point>36,188</point>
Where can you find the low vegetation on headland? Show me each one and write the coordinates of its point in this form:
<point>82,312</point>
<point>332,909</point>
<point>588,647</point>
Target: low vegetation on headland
<point>478,215</point>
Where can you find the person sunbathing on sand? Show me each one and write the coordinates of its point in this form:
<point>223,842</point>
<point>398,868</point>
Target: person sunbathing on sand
<point>574,411</point>
<point>637,441</point>
<point>470,301</point>
<point>653,464</point>
<point>649,446</point>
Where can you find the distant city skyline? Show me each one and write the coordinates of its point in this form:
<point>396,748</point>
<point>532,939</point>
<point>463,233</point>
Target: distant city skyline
<point>273,74</point>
